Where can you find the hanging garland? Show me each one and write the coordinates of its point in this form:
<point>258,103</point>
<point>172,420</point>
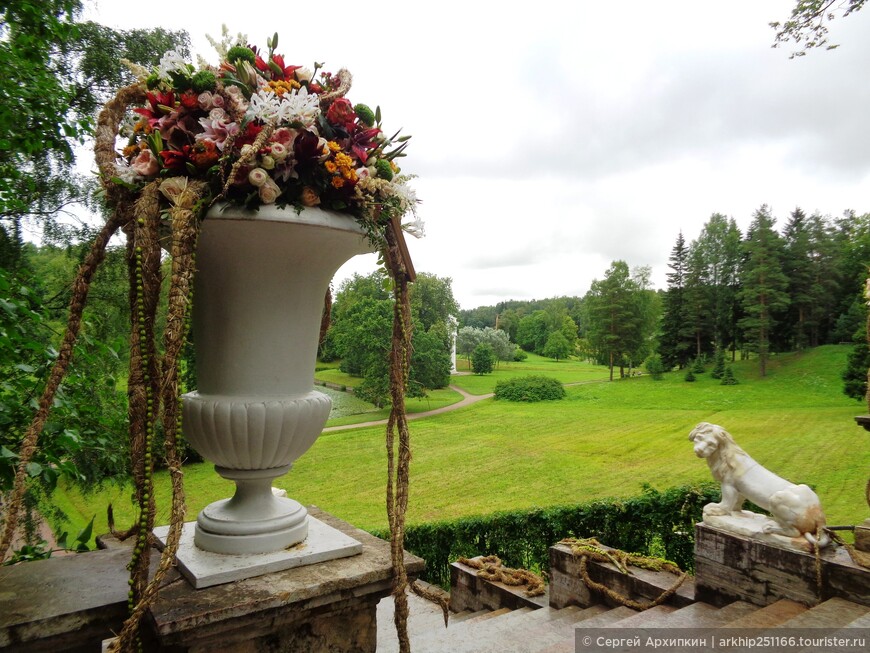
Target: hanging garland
<point>253,114</point>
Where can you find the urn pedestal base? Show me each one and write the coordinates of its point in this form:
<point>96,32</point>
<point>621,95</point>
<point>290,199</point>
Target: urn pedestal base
<point>254,520</point>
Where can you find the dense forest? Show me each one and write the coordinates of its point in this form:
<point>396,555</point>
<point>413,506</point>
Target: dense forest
<point>768,290</point>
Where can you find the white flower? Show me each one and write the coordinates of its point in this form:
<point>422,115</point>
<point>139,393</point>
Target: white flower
<point>257,177</point>
<point>303,74</point>
<point>171,62</point>
<point>299,105</point>
<point>264,106</point>
<point>407,196</point>
<point>416,227</point>
<point>126,174</point>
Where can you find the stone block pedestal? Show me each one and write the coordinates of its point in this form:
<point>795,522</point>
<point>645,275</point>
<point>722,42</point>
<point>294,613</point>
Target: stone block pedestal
<point>75,602</point>
<point>730,567</point>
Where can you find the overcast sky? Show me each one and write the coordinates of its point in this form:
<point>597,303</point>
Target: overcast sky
<point>551,138</point>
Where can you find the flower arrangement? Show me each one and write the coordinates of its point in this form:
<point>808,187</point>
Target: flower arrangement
<point>262,132</point>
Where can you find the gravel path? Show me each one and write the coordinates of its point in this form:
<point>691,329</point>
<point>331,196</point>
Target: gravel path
<point>467,400</point>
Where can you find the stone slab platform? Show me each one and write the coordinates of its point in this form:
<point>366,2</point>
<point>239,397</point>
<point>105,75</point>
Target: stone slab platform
<point>730,567</point>
<point>204,569</point>
<point>67,603</point>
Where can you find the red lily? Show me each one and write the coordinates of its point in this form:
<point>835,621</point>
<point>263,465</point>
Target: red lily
<point>159,104</point>
<point>286,71</point>
<point>361,142</point>
<point>175,158</point>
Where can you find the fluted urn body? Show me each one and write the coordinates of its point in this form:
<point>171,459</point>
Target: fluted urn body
<point>258,299</point>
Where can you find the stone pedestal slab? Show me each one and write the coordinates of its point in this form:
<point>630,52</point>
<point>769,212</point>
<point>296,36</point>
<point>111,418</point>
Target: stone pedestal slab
<point>730,567</point>
<point>204,569</point>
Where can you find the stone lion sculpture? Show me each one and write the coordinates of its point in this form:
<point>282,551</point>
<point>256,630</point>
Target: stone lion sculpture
<point>795,509</point>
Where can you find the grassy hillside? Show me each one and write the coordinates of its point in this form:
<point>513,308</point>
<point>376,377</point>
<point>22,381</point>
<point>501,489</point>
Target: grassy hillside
<point>604,440</point>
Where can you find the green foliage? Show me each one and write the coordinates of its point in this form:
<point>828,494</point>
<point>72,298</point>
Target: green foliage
<point>483,359</point>
<point>621,316</point>
<point>728,377</point>
<point>719,366</point>
<point>654,367</point>
<point>698,366</point>
<point>764,287</point>
<point>557,346</point>
<point>690,376</point>
<point>529,388</point>
<point>855,374</point>
<point>519,355</point>
<point>808,24</point>
<point>84,439</point>
<point>522,538</point>
<point>361,333</point>
<point>430,360</point>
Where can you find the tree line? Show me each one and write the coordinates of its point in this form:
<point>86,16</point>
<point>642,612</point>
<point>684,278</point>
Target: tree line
<point>765,291</point>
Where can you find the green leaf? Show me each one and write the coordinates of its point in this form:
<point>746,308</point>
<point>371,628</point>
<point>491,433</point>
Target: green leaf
<point>34,469</point>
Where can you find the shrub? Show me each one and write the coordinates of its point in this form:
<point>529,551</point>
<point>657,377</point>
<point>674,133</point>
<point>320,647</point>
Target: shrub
<point>656,522</point>
<point>520,355</point>
<point>655,367</point>
<point>728,377</point>
<point>690,376</point>
<point>482,359</point>
<point>529,388</point>
<point>698,366</point>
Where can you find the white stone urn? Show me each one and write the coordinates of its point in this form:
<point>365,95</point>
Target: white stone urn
<point>258,300</point>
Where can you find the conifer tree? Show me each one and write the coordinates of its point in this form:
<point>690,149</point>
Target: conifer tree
<point>675,343</point>
<point>764,293</point>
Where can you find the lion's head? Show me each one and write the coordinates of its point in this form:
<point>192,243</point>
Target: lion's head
<point>715,444</point>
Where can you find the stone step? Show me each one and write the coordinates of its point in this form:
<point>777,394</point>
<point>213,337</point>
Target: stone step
<point>606,619</point>
<point>704,615</point>
<point>459,617</point>
<point>646,619</point>
<point>422,615</point>
<point>768,616</point>
<point>462,637</point>
<point>833,613</point>
<point>533,631</point>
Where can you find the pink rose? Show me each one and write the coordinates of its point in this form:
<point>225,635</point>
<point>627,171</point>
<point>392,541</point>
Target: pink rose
<point>205,100</point>
<point>146,164</point>
<point>269,192</point>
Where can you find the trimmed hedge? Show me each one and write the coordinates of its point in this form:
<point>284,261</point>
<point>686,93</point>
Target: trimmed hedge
<point>654,523</point>
<point>529,388</point>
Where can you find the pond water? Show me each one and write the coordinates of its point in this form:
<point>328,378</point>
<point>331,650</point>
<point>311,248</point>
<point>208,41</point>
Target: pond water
<point>345,403</point>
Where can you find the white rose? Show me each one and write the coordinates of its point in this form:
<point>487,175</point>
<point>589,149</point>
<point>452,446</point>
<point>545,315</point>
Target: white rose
<point>269,192</point>
<point>303,74</point>
<point>279,151</point>
<point>267,162</point>
<point>258,177</point>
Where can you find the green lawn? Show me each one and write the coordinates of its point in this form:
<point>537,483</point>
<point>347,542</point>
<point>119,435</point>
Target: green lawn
<point>569,371</point>
<point>603,440</point>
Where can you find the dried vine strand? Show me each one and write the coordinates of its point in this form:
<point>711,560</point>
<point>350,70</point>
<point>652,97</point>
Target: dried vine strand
<point>398,469</point>
<point>185,230</point>
<point>591,549</point>
<point>29,444</point>
<point>491,568</point>
<point>143,405</point>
